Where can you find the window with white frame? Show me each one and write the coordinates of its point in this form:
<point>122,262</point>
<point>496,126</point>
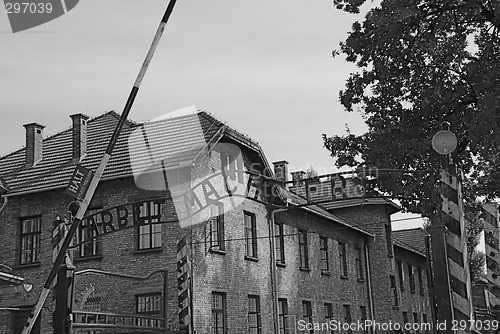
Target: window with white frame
<point>303,250</point>
<point>149,303</point>
<point>250,234</point>
<point>254,316</point>
<point>149,231</point>
<point>31,229</point>
<point>279,243</point>
<point>90,244</point>
<point>219,312</point>
<point>323,250</point>
<point>214,229</point>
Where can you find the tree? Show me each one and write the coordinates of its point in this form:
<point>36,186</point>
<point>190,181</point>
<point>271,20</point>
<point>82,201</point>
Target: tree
<point>423,62</point>
<point>310,172</point>
<point>477,259</point>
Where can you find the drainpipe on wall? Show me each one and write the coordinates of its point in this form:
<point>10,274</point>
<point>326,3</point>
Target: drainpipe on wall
<point>430,283</point>
<point>274,282</point>
<point>369,280</point>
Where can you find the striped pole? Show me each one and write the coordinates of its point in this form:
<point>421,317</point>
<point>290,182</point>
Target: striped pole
<point>490,219</point>
<point>58,235</point>
<point>449,253</point>
<point>184,283</point>
<point>89,193</point>
<point>57,239</point>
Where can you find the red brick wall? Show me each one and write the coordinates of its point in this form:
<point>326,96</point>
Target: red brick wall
<point>413,302</point>
<point>297,285</point>
<point>373,218</point>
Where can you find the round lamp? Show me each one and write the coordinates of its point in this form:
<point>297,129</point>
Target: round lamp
<point>444,142</point>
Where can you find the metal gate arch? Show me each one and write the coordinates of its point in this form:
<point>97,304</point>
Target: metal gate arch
<point>104,302</point>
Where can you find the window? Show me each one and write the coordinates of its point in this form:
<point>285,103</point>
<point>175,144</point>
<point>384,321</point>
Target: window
<point>347,316</point>
<point>363,318</point>
<point>280,243</point>
<point>323,249</point>
<point>425,323</point>
<point>343,259</point>
<point>415,321</point>
<point>328,310</point>
<point>149,233</point>
<point>420,281</point>
<point>401,275</point>
<point>307,313</point>
<point>232,162</point>
<point>405,320</point>
<point>87,237</point>
<point>304,256</point>
<point>388,239</point>
<point>254,322</point>
<point>219,312</point>
<point>214,229</point>
<point>394,288</point>
<point>282,315</point>
<point>250,235</point>
<point>359,264</point>
<point>411,278</point>
<point>150,303</point>
<point>30,240</point>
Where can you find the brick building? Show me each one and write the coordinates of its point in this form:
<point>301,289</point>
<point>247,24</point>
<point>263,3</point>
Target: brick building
<point>393,254</point>
<point>182,186</point>
<point>412,276</point>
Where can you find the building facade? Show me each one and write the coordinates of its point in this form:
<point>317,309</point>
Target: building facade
<point>186,231</point>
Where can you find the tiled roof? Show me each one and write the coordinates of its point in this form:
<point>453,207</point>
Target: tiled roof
<point>412,238</point>
<point>173,139</point>
<point>295,199</point>
<point>361,201</point>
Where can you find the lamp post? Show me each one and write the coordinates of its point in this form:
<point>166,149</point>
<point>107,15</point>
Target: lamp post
<point>449,248</point>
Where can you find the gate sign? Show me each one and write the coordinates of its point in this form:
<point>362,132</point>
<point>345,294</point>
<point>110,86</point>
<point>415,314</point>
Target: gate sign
<point>79,182</point>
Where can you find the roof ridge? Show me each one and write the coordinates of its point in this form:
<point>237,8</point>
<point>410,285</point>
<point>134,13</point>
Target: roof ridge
<point>112,112</point>
<point>210,117</point>
<point>170,118</point>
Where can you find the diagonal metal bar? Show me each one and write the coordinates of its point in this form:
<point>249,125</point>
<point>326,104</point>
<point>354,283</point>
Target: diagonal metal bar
<point>89,193</point>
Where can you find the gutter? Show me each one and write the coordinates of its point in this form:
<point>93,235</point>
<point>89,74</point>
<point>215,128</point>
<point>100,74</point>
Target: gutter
<point>338,222</point>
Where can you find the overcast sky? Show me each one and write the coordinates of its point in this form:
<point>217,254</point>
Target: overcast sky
<point>263,66</point>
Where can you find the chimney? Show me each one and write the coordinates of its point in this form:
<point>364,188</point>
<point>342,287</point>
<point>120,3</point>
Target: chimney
<point>34,143</point>
<point>281,170</point>
<point>79,135</point>
<point>297,178</point>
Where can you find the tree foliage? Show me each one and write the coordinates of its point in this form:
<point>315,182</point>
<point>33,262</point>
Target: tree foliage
<point>477,259</point>
<point>423,62</point>
<point>311,172</point>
